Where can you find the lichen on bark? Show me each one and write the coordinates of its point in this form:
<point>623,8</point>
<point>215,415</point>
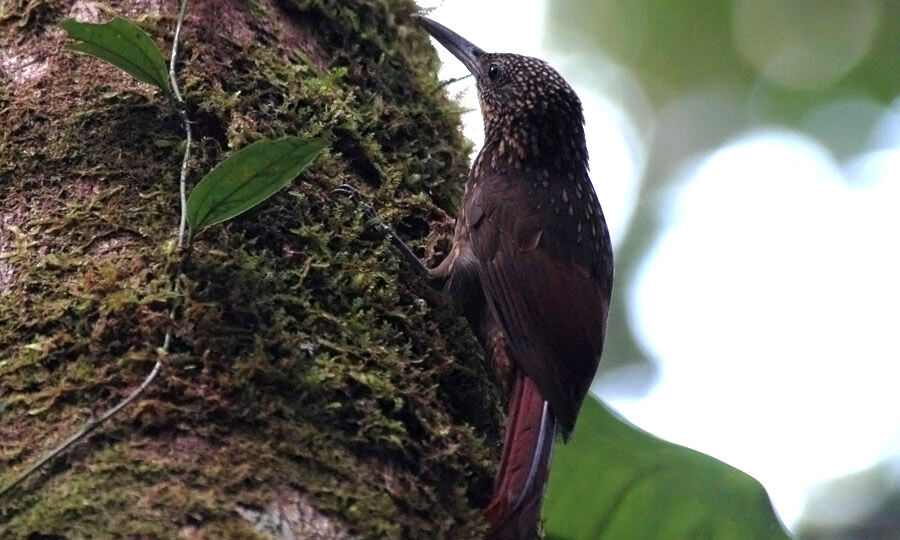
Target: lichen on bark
<point>315,386</point>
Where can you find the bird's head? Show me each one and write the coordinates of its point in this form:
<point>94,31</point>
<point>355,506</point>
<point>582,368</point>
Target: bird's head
<point>523,99</point>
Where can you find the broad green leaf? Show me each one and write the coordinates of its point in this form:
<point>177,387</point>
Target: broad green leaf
<point>248,177</point>
<point>123,45</point>
<point>615,481</point>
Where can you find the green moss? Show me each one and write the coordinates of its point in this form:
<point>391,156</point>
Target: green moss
<point>307,358</point>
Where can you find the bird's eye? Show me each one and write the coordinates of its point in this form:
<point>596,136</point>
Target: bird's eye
<point>494,72</point>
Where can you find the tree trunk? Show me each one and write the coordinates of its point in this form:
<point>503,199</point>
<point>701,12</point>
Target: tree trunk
<point>315,387</point>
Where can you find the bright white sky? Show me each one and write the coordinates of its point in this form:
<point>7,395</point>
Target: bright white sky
<point>772,299</point>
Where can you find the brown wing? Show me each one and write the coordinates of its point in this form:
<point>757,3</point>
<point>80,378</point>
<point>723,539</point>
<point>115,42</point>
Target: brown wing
<point>549,292</point>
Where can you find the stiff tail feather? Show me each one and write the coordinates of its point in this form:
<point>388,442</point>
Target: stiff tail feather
<point>515,507</point>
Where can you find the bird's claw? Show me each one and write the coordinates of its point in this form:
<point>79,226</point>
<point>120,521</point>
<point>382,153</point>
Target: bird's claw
<point>346,190</point>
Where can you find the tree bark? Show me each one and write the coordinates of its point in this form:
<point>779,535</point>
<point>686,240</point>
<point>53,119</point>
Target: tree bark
<point>315,388</point>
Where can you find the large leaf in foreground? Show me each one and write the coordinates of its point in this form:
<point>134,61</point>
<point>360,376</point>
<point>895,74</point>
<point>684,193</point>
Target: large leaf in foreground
<point>123,45</point>
<point>615,481</point>
<point>248,177</point>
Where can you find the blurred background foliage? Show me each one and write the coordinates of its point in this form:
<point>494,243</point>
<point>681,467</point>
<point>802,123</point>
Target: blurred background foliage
<point>694,75</point>
<point>732,65</point>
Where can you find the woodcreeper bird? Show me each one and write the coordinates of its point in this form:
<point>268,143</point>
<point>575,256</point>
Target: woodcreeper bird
<point>531,265</point>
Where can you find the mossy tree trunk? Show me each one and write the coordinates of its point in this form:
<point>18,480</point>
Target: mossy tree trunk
<point>315,388</point>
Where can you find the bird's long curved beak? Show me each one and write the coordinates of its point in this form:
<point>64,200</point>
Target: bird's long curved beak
<point>461,48</point>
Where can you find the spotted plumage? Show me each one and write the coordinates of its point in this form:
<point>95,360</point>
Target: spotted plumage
<point>524,102</point>
<point>534,128</point>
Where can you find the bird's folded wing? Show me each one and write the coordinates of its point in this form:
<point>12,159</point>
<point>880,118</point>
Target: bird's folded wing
<point>552,309</point>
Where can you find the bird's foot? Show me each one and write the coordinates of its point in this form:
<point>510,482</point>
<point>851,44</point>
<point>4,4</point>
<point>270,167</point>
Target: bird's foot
<point>350,192</point>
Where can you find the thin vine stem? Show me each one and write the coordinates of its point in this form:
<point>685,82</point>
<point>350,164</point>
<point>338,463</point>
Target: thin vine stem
<point>94,421</point>
<point>182,184</point>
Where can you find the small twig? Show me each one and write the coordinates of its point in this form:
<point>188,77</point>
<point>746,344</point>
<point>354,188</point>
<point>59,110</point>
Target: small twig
<point>116,230</point>
<point>93,422</point>
<point>451,81</point>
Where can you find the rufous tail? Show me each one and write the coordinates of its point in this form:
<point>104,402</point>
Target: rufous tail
<point>515,507</point>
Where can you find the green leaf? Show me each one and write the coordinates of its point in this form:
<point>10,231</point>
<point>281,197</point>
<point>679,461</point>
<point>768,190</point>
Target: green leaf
<point>615,481</point>
<point>248,177</point>
<point>123,45</point>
